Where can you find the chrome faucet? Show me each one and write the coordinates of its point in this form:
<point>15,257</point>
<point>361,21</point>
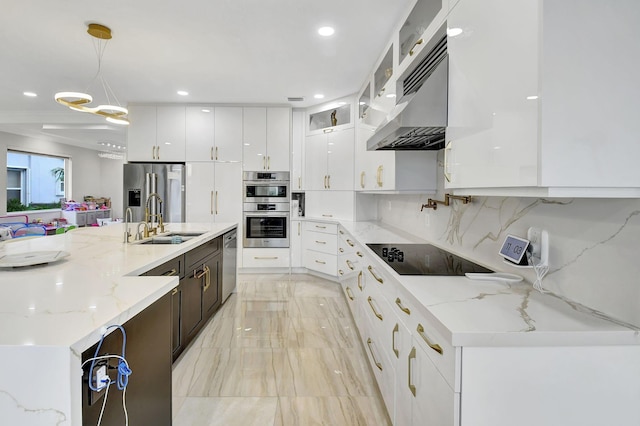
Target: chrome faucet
<point>148,217</point>
<point>128,216</point>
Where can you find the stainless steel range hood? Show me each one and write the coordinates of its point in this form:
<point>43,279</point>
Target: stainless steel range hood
<point>419,120</point>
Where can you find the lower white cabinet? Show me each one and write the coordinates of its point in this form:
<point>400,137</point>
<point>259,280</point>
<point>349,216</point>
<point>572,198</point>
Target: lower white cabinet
<point>320,246</point>
<point>295,242</point>
<point>265,257</point>
<point>86,217</point>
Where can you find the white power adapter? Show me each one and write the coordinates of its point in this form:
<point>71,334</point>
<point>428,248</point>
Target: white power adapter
<point>102,378</point>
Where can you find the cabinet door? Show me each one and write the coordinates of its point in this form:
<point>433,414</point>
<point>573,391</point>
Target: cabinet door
<point>211,286</point>
<point>295,242</point>
<point>278,138</point>
<point>200,192</point>
<point>227,197</point>
<point>170,133</point>
<point>192,313</point>
<point>228,133</point>
<point>401,345</point>
<point>315,166</point>
<point>340,152</point>
<point>492,133</point>
<point>297,151</point>
<point>141,133</point>
<point>199,134</point>
<point>176,313</point>
<point>254,135</point>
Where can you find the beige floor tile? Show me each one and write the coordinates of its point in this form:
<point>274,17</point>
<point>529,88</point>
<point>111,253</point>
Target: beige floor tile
<point>318,307</point>
<point>246,332</point>
<point>316,287</point>
<point>227,411</point>
<point>322,333</point>
<point>330,411</point>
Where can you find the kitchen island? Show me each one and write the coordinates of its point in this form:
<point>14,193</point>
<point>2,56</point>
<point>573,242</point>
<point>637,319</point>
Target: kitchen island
<point>51,313</point>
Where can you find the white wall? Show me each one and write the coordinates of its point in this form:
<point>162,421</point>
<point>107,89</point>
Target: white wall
<point>87,169</point>
<point>594,253</point>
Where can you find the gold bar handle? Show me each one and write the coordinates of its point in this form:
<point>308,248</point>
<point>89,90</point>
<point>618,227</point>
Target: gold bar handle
<point>402,308</point>
<point>325,181</point>
<point>360,281</point>
<point>327,130</point>
<point>299,182</point>
<point>411,52</point>
<point>341,250</point>
<point>207,279</point>
<point>350,265</point>
<point>359,254</point>
<point>447,173</point>
<point>380,280</point>
<point>321,242</point>
<point>340,272</point>
<point>349,293</point>
<point>211,154</point>
<point>329,182</point>
<point>432,345</point>
<point>396,329</point>
<point>327,215</point>
<point>362,180</point>
<point>375,361</point>
<point>341,231</point>
<point>153,152</point>
<point>216,202</point>
<point>211,202</point>
<point>321,262</point>
<point>268,162</point>
<point>370,300</point>
<point>412,355</point>
<point>321,227</point>
<point>299,227</point>
<point>351,243</point>
<point>379,176</point>
<point>265,257</point>
<point>174,291</point>
<point>157,153</point>
<point>170,273</point>
<point>216,152</point>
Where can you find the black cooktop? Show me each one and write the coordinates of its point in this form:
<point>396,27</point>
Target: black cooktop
<point>424,259</point>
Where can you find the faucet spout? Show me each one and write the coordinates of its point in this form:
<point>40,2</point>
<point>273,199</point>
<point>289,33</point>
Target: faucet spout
<point>157,215</point>
<point>128,218</point>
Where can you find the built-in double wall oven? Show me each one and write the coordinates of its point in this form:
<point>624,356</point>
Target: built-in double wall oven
<point>266,209</point>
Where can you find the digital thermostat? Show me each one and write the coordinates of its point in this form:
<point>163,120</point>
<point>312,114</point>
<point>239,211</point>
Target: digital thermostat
<point>514,248</point>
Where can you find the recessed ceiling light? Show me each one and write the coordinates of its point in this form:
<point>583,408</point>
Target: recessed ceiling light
<point>532,98</point>
<point>452,32</point>
<point>30,94</point>
<point>318,96</point>
<point>182,93</point>
<point>206,110</point>
<point>326,31</point>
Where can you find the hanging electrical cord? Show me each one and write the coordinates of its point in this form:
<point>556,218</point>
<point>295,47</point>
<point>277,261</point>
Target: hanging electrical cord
<point>540,270</point>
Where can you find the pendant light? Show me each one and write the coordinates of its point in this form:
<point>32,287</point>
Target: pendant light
<point>78,101</point>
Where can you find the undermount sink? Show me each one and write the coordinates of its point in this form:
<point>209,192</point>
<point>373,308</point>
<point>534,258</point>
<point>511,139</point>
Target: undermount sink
<point>169,238</point>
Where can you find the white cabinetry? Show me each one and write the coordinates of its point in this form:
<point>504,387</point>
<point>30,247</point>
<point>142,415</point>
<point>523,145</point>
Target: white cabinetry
<point>534,113</point>
<point>214,192</point>
<point>156,133</point>
<point>85,217</point>
<point>329,160</point>
<point>265,258</point>
<point>297,151</point>
<point>295,242</point>
<point>266,138</point>
<point>320,246</point>
<point>213,133</point>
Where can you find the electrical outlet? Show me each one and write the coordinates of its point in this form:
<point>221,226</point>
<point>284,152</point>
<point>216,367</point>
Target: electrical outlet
<point>426,219</point>
<point>102,378</point>
<point>535,237</point>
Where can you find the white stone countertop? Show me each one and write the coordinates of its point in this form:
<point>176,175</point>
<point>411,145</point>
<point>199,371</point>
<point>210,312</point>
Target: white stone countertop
<point>67,302</point>
<point>492,313</point>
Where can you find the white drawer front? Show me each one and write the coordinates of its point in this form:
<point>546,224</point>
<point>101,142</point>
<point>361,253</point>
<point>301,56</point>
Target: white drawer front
<point>320,262</point>
<point>318,241</point>
<point>265,258</point>
<point>329,228</point>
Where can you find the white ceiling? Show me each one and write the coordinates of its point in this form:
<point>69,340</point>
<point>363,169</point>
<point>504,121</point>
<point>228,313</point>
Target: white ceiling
<point>220,51</point>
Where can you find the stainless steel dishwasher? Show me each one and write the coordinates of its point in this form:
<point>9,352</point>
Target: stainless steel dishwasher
<point>229,258</point>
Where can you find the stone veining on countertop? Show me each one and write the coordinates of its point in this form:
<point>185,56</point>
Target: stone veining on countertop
<point>31,415</point>
<point>522,309</point>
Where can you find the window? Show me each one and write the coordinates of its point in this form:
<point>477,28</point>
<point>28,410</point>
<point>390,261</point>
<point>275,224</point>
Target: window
<point>35,181</point>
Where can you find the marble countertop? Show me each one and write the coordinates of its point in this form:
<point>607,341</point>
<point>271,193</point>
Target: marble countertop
<point>492,313</point>
<point>66,303</point>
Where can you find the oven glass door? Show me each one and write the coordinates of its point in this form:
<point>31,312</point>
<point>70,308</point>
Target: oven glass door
<point>266,230</point>
<point>266,192</point>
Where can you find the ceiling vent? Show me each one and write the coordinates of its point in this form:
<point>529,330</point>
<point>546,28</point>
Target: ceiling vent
<point>295,99</point>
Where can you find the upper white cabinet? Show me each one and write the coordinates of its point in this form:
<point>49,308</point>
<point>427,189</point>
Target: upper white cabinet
<point>539,103</point>
<point>329,160</point>
<point>330,116</point>
<point>213,133</point>
<point>297,150</point>
<point>213,192</point>
<point>266,138</point>
<point>156,133</point>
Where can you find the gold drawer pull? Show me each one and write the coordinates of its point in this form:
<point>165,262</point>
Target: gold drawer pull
<point>402,308</point>
<point>412,355</point>
<point>411,52</point>
<point>170,273</point>
<point>265,257</point>
<point>375,361</point>
<point>321,242</point>
<point>349,293</point>
<point>327,130</point>
<point>362,180</point>
<point>321,262</point>
<point>370,300</point>
<point>360,281</point>
<point>321,227</point>
<point>396,329</point>
<point>174,291</point>
<point>341,232</point>
<point>359,254</point>
<point>350,265</point>
<point>327,215</point>
<point>341,250</point>
<point>379,176</point>
<point>340,272</point>
<point>432,345</point>
<point>380,280</point>
<point>350,243</point>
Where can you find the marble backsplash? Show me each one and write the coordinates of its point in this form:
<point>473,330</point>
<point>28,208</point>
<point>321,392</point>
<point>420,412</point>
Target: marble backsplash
<point>594,257</point>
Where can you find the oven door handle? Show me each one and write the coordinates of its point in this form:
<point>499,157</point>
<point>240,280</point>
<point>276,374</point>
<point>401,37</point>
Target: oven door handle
<point>267,213</point>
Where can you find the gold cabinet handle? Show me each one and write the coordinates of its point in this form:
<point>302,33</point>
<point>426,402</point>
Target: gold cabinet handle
<point>211,154</point>
<point>341,232</point>
<point>412,355</point>
<point>341,250</point>
<point>264,163</point>
<point>328,130</point>
<point>325,181</point>
<point>211,202</point>
<point>380,280</point>
<point>447,173</point>
<point>216,202</point>
<point>327,215</point>
<point>174,291</point>
<point>350,265</point>
<point>362,180</point>
<point>157,153</point>
<point>349,293</point>
<point>321,262</point>
<point>216,152</point>
<point>207,279</point>
<point>340,272</point>
<point>299,227</point>
<point>411,52</point>
<point>350,243</point>
<point>360,281</point>
<point>432,345</point>
<point>299,182</point>
<point>377,314</point>
<point>396,329</point>
<point>375,361</point>
<point>170,273</point>
<point>329,182</point>
<point>402,308</point>
<point>269,162</point>
<point>381,91</point>
<point>379,176</point>
<point>265,257</point>
<point>321,242</point>
<point>359,254</point>
<point>321,227</point>
<point>153,152</point>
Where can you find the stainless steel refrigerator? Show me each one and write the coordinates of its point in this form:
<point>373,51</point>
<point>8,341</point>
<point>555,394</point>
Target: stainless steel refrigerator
<point>142,179</point>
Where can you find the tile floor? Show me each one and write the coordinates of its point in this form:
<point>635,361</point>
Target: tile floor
<point>281,351</point>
